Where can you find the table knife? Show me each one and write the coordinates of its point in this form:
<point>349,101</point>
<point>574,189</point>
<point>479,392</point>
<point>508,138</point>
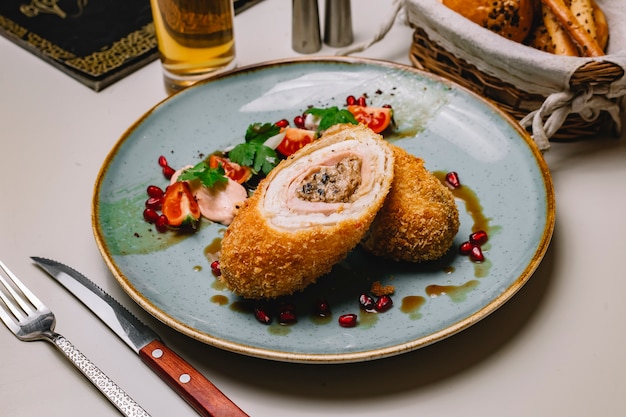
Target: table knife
<point>188,382</point>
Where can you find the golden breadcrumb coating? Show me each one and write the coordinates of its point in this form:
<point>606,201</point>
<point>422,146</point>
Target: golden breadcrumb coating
<point>379,289</point>
<point>419,219</point>
<point>261,258</point>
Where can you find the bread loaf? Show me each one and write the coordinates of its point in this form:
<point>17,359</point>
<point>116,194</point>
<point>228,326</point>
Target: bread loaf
<point>512,19</point>
<point>561,27</point>
<point>575,19</point>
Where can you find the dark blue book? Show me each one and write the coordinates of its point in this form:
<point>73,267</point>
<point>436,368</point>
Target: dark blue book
<point>96,42</point>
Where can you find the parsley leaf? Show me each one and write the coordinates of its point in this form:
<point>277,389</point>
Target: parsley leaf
<point>331,116</point>
<point>256,155</point>
<point>208,176</point>
<point>243,154</point>
<point>260,132</point>
<point>253,153</point>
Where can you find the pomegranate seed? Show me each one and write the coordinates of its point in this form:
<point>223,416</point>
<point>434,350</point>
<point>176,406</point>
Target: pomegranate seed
<point>168,171</point>
<point>361,101</point>
<point>465,248</point>
<point>162,223</point>
<point>452,179</point>
<point>154,191</point>
<point>299,122</point>
<point>262,316</point>
<point>350,100</point>
<point>154,203</point>
<point>367,303</point>
<point>384,303</point>
<point>287,317</point>
<point>150,215</point>
<point>282,123</point>
<point>386,106</point>
<point>478,238</point>
<point>215,268</point>
<point>322,308</point>
<point>348,320</point>
<point>163,161</point>
<point>476,254</point>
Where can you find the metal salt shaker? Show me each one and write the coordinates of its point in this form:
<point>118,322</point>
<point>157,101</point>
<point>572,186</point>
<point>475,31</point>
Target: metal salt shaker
<point>305,28</point>
<point>338,23</point>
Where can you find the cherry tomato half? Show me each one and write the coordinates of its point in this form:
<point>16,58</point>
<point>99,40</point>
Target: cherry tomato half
<point>232,170</point>
<point>179,206</point>
<point>295,139</point>
<point>376,118</point>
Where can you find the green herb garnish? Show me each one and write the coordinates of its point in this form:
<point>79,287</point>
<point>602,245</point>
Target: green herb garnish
<point>260,132</point>
<point>331,116</point>
<point>208,176</point>
<point>253,153</point>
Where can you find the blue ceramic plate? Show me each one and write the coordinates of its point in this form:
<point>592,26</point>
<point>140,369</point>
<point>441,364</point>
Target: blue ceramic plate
<point>506,190</point>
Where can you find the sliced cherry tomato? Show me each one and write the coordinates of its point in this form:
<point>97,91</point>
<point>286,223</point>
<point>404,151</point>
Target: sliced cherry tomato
<point>232,170</point>
<point>376,118</point>
<point>295,139</point>
<point>180,207</point>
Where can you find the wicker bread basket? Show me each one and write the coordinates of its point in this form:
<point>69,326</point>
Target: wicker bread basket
<point>554,97</point>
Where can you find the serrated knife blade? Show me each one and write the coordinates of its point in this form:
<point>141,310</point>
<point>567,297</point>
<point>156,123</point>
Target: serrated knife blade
<point>188,382</point>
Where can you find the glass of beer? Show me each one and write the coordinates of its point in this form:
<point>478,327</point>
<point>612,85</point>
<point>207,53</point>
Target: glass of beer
<point>195,39</point>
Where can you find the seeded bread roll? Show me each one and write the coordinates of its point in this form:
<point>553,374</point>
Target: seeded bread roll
<point>550,36</point>
<point>575,20</point>
<point>310,211</point>
<point>419,219</point>
<point>583,12</point>
<point>602,26</point>
<point>540,38</point>
<point>559,41</point>
<point>512,19</point>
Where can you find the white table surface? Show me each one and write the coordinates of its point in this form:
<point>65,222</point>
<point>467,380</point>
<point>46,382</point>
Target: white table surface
<point>555,349</point>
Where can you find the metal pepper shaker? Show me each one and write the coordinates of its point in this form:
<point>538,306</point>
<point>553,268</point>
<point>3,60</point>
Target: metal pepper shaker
<point>338,23</point>
<point>305,27</point>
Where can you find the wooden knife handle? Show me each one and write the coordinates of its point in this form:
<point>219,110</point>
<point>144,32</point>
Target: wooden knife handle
<point>190,384</point>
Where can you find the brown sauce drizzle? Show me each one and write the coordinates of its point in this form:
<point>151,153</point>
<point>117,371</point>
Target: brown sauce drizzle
<point>367,320</point>
<point>481,269</point>
<point>472,204</point>
<point>317,319</point>
<point>279,329</point>
<point>457,293</point>
<point>411,305</point>
<point>219,299</point>
<point>480,222</point>
<point>219,285</point>
<point>211,252</point>
<point>213,248</point>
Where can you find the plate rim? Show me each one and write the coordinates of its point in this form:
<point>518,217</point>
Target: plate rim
<point>343,357</point>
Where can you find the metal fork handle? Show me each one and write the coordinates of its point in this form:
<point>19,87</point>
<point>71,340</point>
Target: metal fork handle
<point>110,389</point>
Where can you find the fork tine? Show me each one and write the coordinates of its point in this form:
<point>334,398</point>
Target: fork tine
<point>17,297</point>
<point>5,316</point>
<point>9,302</point>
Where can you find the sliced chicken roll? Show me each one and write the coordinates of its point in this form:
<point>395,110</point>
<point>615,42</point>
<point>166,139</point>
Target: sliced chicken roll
<point>419,219</point>
<point>309,212</point>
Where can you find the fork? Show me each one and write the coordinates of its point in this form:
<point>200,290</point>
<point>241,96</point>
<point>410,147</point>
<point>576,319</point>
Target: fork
<point>29,319</point>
